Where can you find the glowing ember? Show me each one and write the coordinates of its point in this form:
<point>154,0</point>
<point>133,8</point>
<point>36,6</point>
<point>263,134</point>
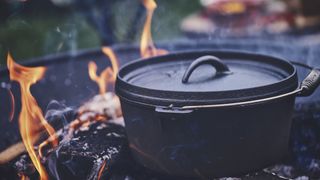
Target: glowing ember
<point>108,75</point>
<point>31,120</point>
<point>147,48</point>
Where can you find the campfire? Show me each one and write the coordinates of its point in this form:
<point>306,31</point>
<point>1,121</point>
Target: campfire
<point>40,138</point>
<point>89,141</point>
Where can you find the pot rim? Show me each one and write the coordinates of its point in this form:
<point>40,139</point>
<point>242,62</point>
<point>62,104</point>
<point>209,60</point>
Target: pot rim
<point>158,97</point>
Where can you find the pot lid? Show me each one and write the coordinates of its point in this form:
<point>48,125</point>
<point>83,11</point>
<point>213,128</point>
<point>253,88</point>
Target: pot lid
<point>209,72</point>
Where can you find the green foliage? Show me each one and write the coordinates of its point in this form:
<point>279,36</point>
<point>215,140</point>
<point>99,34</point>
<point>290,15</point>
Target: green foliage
<point>27,35</point>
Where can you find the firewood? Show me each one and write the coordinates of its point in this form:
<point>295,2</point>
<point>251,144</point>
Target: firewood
<point>12,152</point>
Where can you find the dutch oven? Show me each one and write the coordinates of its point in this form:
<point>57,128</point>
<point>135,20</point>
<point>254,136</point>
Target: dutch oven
<point>210,113</point>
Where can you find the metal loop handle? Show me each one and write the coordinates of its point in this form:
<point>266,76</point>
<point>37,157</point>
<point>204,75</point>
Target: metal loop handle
<point>311,82</point>
<point>211,60</point>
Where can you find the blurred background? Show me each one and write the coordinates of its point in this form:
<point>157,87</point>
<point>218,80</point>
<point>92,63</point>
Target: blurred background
<point>34,28</point>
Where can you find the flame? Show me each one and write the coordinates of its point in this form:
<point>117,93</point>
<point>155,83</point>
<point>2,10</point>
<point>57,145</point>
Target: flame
<point>114,61</point>
<point>147,47</point>
<point>101,170</point>
<point>31,119</point>
<point>12,102</point>
<point>100,80</point>
<point>23,177</point>
<point>108,75</point>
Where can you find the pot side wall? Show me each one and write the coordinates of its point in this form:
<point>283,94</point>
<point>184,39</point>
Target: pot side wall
<point>213,142</point>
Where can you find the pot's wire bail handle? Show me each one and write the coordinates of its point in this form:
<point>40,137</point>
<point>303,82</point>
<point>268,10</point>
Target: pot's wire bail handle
<point>220,67</point>
<point>310,83</point>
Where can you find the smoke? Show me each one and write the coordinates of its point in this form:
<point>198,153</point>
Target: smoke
<point>59,115</point>
<point>62,38</point>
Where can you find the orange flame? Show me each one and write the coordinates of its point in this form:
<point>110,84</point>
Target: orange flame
<point>114,61</point>
<point>23,177</point>
<point>101,170</point>
<point>147,47</point>
<point>31,119</point>
<point>11,115</point>
<point>100,80</point>
<point>108,75</point>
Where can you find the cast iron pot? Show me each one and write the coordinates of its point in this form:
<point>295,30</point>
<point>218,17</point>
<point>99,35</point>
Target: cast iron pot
<point>208,113</point>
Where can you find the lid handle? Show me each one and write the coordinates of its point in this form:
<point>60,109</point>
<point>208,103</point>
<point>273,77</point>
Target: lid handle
<point>211,60</point>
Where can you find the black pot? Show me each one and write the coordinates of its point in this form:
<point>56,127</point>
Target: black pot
<point>226,119</point>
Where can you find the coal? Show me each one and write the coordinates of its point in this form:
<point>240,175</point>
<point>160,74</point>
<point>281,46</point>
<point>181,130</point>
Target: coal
<point>24,166</point>
<point>89,148</point>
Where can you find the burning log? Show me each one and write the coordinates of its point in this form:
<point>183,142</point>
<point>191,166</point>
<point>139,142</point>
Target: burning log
<point>90,141</point>
<point>99,110</point>
<point>106,106</point>
<point>84,155</point>
<point>12,152</point>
